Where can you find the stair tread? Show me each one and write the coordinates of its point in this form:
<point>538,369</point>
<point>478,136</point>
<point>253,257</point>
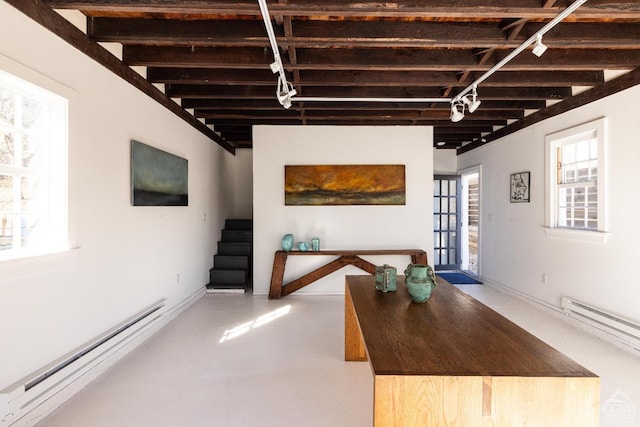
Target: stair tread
<point>239,277</point>
<point>237,235</point>
<point>226,272</point>
<point>238,224</point>
<point>226,286</point>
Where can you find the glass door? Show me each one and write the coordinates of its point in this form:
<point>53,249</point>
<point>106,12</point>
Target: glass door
<point>446,210</point>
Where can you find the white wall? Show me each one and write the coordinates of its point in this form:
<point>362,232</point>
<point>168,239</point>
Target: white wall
<point>445,162</point>
<point>515,251</point>
<point>339,227</point>
<point>126,257</point>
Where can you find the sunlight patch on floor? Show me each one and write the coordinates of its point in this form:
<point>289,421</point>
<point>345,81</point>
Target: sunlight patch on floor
<point>242,329</point>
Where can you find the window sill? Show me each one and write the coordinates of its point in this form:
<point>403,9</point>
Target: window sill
<point>578,235</point>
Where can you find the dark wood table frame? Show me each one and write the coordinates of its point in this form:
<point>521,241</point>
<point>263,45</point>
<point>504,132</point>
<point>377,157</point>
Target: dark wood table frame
<point>453,361</point>
<point>350,257</point>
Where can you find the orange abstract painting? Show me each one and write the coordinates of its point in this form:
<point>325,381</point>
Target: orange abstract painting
<point>344,185</point>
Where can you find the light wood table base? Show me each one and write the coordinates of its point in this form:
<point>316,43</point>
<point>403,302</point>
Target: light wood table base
<point>454,362</point>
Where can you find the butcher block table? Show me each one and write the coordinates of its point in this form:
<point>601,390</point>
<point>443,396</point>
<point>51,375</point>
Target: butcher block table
<point>452,361</point>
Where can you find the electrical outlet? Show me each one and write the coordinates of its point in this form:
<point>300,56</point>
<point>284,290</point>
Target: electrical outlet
<point>543,279</point>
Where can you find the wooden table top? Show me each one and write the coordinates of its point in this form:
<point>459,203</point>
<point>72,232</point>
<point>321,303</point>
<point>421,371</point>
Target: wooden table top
<point>451,334</point>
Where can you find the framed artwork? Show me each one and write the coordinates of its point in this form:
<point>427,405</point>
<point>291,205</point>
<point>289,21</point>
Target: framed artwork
<point>158,178</point>
<point>520,186</point>
<point>321,185</point>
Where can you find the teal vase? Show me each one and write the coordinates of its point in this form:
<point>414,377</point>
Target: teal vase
<point>420,281</point>
<point>287,242</point>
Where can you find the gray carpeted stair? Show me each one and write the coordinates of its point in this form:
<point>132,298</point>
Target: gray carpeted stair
<point>232,264</point>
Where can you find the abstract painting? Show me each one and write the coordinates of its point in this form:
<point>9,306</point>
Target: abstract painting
<point>158,178</point>
<point>316,185</point>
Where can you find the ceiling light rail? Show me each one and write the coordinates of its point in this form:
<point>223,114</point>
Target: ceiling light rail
<point>286,94</point>
<point>333,99</point>
<point>539,48</point>
<point>284,89</point>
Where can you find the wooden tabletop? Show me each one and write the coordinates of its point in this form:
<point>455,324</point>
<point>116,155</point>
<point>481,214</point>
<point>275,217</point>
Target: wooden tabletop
<point>450,334</point>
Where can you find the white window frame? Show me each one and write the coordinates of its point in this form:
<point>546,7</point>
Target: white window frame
<point>596,129</point>
<point>57,217</point>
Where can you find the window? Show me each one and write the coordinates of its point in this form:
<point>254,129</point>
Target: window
<point>576,178</point>
<point>33,169</point>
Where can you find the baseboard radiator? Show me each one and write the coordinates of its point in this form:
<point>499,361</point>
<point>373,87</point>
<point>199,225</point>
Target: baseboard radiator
<point>29,400</point>
<point>625,329</point>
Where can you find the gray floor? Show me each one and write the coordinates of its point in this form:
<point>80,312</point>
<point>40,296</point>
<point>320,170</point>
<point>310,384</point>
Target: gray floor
<point>243,360</point>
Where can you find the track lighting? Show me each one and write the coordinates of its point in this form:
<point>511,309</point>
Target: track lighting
<point>473,103</point>
<point>457,111</point>
<point>458,105</point>
<point>285,92</point>
<point>539,48</point>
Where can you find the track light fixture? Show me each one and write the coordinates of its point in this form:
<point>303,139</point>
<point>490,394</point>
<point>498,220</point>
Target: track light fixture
<point>285,92</point>
<point>459,104</point>
<point>457,111</point>
<point>539,48</point>
<point>473,103</point>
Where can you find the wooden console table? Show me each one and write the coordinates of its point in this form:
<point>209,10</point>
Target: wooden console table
<point>452,361</point>
<point>352,257</point>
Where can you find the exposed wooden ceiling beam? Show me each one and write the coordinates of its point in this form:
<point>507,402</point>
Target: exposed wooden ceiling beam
<point>531,9</point>
<point>356,34</point>
<point>272,104</point>
<point>380,59</point>
<point>253,92</point>
<point>210,76</point>
<point>292,121</point>
<point>355,114</point>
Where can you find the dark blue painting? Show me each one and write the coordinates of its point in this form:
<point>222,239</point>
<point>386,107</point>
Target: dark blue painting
<point>158,178</point>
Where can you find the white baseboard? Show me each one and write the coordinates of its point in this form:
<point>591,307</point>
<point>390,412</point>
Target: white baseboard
<point>184,304</point>
<point>21,406</point>
<point>601,332</point>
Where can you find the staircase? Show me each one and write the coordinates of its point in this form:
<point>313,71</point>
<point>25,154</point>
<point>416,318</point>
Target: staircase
<point>232,264</point>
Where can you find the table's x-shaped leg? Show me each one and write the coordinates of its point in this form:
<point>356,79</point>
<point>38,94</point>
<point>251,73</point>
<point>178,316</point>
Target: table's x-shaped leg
<point>277,290</point>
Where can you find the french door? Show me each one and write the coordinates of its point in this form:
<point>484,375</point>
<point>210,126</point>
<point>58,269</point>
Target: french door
<point>446,223</point>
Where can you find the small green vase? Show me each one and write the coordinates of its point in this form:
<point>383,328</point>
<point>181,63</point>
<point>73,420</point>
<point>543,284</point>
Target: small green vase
<point>287,242</point>
<point>420,281</point>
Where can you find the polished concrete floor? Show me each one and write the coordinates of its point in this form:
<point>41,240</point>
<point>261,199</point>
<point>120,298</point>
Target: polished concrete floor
<point>243,360</point>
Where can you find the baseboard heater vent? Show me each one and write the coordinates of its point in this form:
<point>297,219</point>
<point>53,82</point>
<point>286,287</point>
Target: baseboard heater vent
<point>29,400</point>
<point>624,329</point>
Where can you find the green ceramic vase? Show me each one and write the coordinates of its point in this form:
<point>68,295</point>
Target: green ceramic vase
<point>287,242</point>
<point>420,281</point>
